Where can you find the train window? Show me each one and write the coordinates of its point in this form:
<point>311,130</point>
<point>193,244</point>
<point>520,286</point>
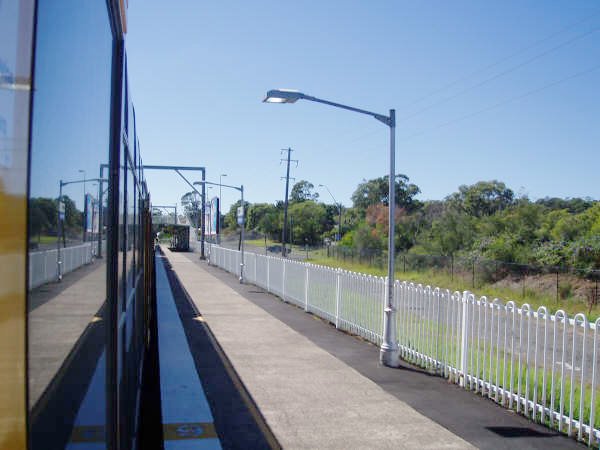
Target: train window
<point>68,208</point>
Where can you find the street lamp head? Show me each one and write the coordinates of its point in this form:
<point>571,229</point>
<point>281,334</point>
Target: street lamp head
<point>283,96</point>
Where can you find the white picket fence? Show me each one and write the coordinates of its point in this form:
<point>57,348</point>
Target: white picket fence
<point>43,265</point>
<point>543,366</point>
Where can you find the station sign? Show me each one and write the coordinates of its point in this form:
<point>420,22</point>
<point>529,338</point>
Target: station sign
<point>61,210</point>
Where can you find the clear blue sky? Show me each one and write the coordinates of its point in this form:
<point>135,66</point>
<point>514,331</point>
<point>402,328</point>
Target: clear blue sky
<point>199,70</point>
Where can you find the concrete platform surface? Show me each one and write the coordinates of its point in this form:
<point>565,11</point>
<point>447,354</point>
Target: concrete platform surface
<point>309,398</point>
<point>58,314</point>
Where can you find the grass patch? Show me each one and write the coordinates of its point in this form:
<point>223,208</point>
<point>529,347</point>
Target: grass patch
<point>260,242</point>
<point>441,279</point>
<point>43,239</point>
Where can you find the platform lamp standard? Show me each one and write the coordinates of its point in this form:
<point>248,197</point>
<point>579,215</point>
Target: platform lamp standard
<point>389,354</point>
<point>61,220</point>
<point>93,213</point>
<point>84,193</point>
<point>241,220</point>
<point>220,205</point>
<point>339,205</point>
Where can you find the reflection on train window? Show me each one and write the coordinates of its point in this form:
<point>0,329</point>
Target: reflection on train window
<point>67,214</point>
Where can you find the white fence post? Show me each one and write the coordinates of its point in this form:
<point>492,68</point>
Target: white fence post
<point>283,280</point>
<point>382,309</point>
<point>464,341</point>
<point>268,274</point>
<point>306,290</point>
<point>337,298</point>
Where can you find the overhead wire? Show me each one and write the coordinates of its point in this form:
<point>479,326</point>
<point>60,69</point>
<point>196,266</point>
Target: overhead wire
<point>501,103</point>
<point>506,58</point>
<point>498,75</point>
<point>501,74</point>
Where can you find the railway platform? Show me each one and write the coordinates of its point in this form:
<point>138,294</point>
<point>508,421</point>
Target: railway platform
<point>201,402</point>
<point>316,387</point>
<point>308,397</point>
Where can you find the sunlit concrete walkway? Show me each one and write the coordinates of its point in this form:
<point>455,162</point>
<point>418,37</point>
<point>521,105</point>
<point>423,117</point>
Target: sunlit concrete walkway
<point>58,314</point>
<point>309,398</point>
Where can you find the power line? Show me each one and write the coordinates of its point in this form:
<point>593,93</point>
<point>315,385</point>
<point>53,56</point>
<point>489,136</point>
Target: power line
<point>501,74</point>
<point>502,103</point>
<point>489,66</point>
<point>506,58</point>
<point>494,77</point>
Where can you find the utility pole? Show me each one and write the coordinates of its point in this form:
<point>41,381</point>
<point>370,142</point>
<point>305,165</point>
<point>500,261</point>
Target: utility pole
<point>287,187</point>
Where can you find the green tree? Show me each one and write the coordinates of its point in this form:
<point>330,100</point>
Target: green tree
<point>450,233</point>
<point>231,216</point>
<point>570,227</point>
<point>73,217</point>
<point>309,222</point>
<point>376,191</point>
<point>271,224</point>
<point>332,214</point>
<point>367,241</point>
<point>303,191</point>
<point>38,221</point>
<point>572,205</point>
<point>191,206</point>
<point>483,198</point>
<point>256,213</point>
<point>49,206</point>
<point>585,253</point>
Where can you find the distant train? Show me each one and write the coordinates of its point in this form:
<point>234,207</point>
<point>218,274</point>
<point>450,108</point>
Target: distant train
<point>76,242</point>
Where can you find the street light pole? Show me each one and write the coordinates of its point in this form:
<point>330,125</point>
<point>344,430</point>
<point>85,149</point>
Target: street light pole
<point>243,224</point>
<point>389,347</point>
<point>243,231</point>
<point>220,205</point>
<point>84,192</point>
<point>83,172</point>
<point>339,205</point>
<point>60,230</point>
<point>61,213</point>
<point>389,354</point>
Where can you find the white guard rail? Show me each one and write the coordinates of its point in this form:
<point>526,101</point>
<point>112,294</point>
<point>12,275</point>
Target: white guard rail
<point>43,265</point>
<point>541,365</point>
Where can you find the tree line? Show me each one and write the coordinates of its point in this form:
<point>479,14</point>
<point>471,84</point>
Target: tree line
<point>43,217</point>
<point>486,220</point>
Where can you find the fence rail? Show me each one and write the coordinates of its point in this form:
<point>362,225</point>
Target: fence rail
<point>543,366</point>
<point>43,265</point>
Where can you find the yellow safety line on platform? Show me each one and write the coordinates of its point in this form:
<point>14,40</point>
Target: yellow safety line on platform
<point>192,430</point>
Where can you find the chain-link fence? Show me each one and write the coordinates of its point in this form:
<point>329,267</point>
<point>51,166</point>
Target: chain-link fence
<point>558,283</point>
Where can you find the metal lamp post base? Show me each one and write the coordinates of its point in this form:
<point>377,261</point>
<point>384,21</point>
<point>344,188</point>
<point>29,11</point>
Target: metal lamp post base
<point>389,357</point>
